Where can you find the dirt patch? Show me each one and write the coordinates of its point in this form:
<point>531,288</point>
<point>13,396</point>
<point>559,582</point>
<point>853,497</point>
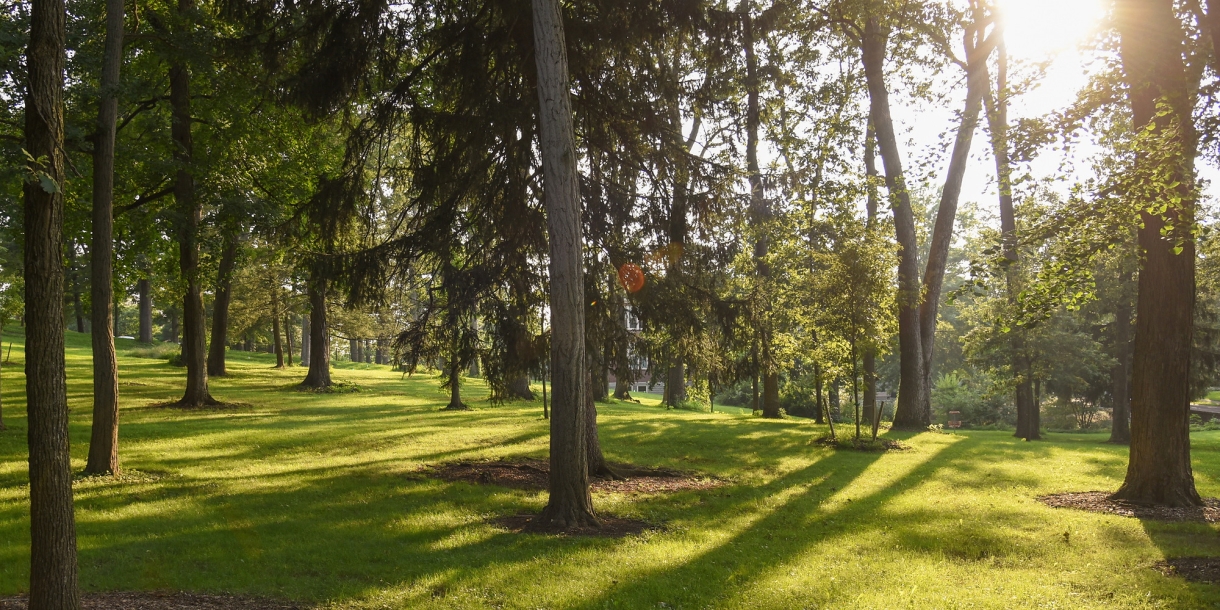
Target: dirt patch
<point>861,444</point>
<point>215,406</point>
<point>610,527</point>
<point>155,600</point>
<point>1100,502</point>
<point>533,475</point>
<point>1195,569</point>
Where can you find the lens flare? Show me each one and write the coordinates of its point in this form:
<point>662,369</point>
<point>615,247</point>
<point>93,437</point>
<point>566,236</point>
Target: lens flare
<point>631,277</point>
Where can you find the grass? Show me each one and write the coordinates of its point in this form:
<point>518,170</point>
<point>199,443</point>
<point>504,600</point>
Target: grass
<point>318,497</point>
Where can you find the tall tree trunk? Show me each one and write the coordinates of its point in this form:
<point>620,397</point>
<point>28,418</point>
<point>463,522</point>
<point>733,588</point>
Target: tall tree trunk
<point>145,311</point>
<point>353,350</point>
<point>220,308</point>
<point>455,387</point>
<point>760,215</point>
<point>275,327</point>
<point>873,178</point>
<point>305,338</point>
<point>53,572</point>
<point>817,386</point>
<point>104,437</point>
<point>77,308</point>
<point>319,338</point>
<point>1120,375</point>
<point>913,410</point>
<point>194,344</point>
<point>570,503</point>
<point>1028,416</point>
<point>1151,47</point>
<point>288,338</point>
<point>977,52</point>
<point>171,332</point>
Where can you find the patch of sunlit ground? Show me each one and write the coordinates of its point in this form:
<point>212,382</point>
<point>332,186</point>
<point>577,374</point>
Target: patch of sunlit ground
<point>319,498</point>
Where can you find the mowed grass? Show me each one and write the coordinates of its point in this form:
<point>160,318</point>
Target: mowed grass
<point>319,498</point>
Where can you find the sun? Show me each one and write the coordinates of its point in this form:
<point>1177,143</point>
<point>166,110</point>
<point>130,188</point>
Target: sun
<point>1037,29</point>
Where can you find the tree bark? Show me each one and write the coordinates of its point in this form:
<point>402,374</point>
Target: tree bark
<point>570,503</point>
<point>319,339</point>
<point>220,308</point>
<point>305,339</point>
<point>194,347</point>
<point>1120,375</point>
<point>275,327</point>
<point>1150,46</point>
<point>913,410</point>
<point>520,388</point>
<point>53,568</point>
<point>353,350</point>
<point>871,174</point>
<point>145,311</point>
<point>288,338</point>
<point>104,436</point>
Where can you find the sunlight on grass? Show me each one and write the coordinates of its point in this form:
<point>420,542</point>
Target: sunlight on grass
<point>321,498</point>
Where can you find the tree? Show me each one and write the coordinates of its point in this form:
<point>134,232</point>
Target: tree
<point>53,570</point>
<point>570,504</point>
<point>1151,40</point>
<point>104,441</point>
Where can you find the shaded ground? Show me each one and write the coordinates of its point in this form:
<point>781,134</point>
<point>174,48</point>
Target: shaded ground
<point>1195,569</point>
<point>611,527</point>
<point>154,600</point>
<point>531,474</point>
<point>1100,502</point>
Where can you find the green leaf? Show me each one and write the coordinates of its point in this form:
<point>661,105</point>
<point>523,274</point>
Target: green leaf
<point>48,184</point>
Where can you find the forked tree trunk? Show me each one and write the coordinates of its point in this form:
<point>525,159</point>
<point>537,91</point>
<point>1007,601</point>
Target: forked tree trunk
<point>1159,471</point>
<point>53,571</point>
<point>145,311</point>
<point>220,308</point>
<point>977,51</point>
<point>104,436</point>
<point>319,339</point>
<point>1120,375</point>
<point>570,503</point>
<point>276,336</point>
<point>194,344</point>
<point>305,339</point>
<point>912,411</point>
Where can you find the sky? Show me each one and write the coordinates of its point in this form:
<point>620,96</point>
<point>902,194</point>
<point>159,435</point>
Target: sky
<point>1034,31</point>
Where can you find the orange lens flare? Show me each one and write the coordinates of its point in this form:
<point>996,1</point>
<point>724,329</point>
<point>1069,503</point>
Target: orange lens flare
<point>631,277</point>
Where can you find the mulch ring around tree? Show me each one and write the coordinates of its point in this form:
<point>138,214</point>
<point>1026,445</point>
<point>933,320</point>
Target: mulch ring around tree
<point>861,444</point>
<point>1194,569</point>
<point>160,600</point>
<point>214,406</point>
<point>609,527</point>
<point>532,475</point>
<point>1100,502</point>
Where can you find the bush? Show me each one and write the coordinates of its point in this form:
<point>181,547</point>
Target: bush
<point>159,351</point>
<point>981,399</point>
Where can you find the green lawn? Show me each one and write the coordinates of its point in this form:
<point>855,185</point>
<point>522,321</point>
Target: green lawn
<point>318,498</point>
